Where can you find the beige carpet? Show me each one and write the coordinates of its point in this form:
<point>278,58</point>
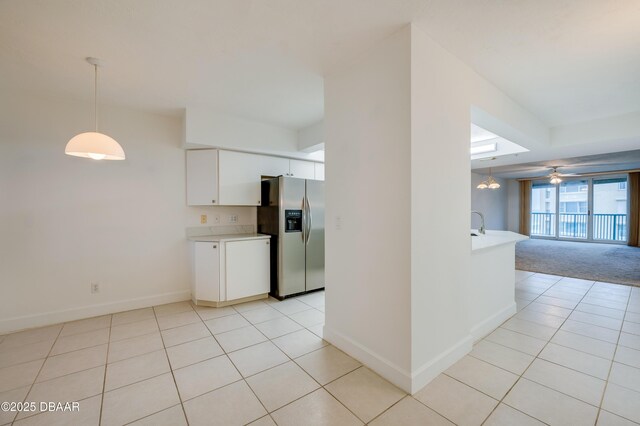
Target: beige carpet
<point>611,263</point>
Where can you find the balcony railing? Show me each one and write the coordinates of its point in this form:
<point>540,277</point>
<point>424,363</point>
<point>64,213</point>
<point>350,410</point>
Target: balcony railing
<point>607,227</point>
<point>610,227</point>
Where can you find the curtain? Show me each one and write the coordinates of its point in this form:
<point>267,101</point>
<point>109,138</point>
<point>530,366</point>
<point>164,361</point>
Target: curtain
<point>634,209</point>
<point>525,207</point>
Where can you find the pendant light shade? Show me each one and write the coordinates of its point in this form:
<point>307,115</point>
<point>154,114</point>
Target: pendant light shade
<point>94,145</point>
<point>490,183</point>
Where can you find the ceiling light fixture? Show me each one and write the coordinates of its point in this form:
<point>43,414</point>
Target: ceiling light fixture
<point>94,145</point>
<point>483,149</point>
<point>555,177</point>
<point>490,183</point>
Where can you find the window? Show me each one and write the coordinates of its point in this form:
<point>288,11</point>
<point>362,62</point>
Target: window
<point>605,195</point>
<point>570,187</point>
<point>573,207</point>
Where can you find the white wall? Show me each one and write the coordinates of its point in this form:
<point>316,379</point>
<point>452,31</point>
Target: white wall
<point>397,147</point>
<point>440,205</point>
<point>67,221</point>
<point>312,137</point>
<point>368,217</point>
<point>493,203</point>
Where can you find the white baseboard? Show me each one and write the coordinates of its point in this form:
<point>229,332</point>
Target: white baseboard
<point>409,382</point>
<point>430,370</point>
<point>479,331</point>
<point>72,314</point>
<point>387,369</point>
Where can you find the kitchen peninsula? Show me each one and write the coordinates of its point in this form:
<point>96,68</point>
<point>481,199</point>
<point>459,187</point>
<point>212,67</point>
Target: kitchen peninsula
<point>491,293</point>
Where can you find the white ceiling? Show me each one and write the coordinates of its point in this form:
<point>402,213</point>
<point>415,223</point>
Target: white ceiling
<point>481,137</point>
<point>611,162</point>
<point>564,60</point>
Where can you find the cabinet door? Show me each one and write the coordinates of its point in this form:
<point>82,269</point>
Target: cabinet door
<point>302,169</point>
<point>319,171</point>
<point>202,177</point>
<point>247,268</point>
<point>207,272</point>
<point>239,175</point>
<point>274,166</point>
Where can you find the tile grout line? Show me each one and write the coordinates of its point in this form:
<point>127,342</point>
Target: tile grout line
<point>306,328</point>
<point>36,376</point>
<point>501,401</point>
<point>243,378</point>
<point>104,379</point>
<point>606,383</point>
<point>166,354</point>
<point>321,386</point>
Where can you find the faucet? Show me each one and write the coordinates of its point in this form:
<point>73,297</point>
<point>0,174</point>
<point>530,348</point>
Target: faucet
<point>481,230</point>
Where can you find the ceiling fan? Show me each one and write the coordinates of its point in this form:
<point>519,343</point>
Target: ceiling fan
<point>555,177</point>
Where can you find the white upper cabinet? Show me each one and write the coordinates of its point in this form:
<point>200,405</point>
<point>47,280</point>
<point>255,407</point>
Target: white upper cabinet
<point>202,177</point>
<point>239,177</point>
<point>229,178</point>
<point>274,166</point>
<point>319,171</point>
<point>302,169</point>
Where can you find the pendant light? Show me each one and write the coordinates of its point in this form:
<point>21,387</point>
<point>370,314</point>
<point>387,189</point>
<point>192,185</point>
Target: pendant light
<point>490,183</point>
<point>94,145</point>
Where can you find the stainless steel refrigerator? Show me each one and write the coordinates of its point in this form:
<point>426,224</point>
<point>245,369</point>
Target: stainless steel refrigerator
<point>292,212</point>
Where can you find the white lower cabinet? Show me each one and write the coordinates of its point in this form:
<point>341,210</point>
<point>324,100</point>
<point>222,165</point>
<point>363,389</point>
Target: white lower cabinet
<point>229,271</point>
<point>247,268</point>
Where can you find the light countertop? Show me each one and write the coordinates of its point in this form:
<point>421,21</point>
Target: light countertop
<point>494,238</point>
<point>228,237</point>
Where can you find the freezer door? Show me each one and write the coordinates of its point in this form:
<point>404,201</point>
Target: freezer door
<point>315,234</point>
<point>291,266</point>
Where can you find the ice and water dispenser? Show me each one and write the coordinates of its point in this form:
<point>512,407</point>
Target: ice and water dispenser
<point>293,221</point>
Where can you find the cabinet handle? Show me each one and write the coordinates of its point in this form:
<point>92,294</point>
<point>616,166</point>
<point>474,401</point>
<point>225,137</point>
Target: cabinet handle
<point>267,242</point>
<point>215,246</point>
<point>213,201</point>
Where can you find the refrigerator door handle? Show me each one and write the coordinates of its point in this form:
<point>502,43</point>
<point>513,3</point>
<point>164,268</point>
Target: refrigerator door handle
<point>309,220</point>
<point>303,234</point>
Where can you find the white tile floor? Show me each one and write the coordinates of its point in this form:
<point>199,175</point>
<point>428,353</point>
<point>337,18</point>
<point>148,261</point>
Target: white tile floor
<point>571,356</point>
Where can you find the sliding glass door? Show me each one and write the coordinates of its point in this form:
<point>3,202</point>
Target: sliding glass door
<point>583,209</point>
<point>610,208</point>
<point>573,220</point>
<point>543,209</point>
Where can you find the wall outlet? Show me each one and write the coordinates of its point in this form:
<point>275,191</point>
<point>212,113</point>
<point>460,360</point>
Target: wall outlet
<point>216,219</point>
<point>233,219</point>
<point>203,219</point>
<point>95,287</point>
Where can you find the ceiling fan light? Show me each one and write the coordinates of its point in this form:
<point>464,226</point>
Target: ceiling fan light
<point>97,146</point>
<point>555,180</point>
<point>494,185</point>
<point>482,185</point>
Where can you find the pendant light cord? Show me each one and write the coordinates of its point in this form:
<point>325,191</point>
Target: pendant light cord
<point>95,96</point>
